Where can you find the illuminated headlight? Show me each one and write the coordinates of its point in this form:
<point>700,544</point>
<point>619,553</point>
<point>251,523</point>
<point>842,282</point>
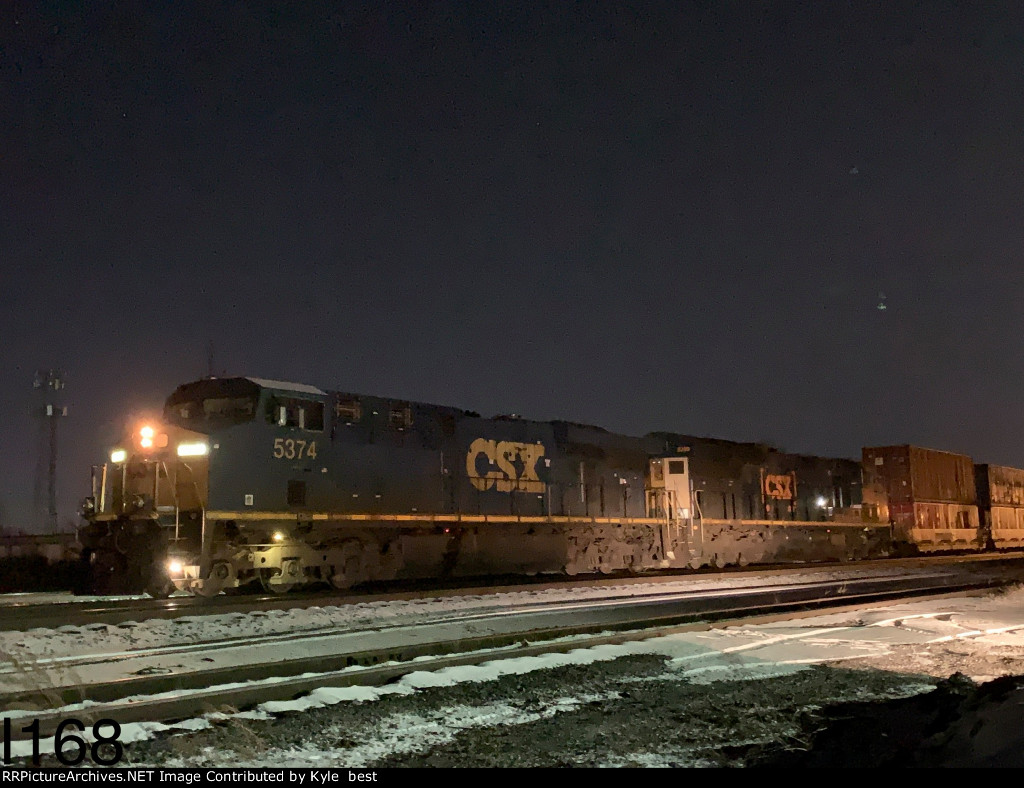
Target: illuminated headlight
<point>193,449</point>
<point>278,536</point>
<point>149,439</point>
<point>821,502</point>
<point>118,456</point>
<point>174,568</point>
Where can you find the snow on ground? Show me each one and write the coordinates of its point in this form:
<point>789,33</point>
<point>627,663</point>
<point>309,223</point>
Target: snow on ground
<point>672,700</point>
<point>70,641</point>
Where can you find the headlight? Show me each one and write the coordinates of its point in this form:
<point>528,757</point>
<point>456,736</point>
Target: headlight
<point>118,456</point>
<point>174,568</point>
<point>149,438</point>
<point>193,449</point>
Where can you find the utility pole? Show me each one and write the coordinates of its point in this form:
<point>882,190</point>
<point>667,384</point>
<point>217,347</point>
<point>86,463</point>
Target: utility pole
<point>50,384</point>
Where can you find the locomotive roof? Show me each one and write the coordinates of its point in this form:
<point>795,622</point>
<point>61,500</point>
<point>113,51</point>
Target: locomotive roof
<point>282,385</point>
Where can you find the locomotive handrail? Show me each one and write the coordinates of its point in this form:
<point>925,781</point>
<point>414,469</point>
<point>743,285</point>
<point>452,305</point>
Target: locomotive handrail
<point>424,517</point>
<point>804,523</point>
<point>493,518</point>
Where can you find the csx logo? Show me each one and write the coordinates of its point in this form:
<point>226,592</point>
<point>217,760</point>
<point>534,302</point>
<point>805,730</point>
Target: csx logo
<point>504,465</point>
<point>779,486</point>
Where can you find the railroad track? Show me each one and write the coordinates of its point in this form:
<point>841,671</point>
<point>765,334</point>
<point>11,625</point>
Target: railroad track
<point>20,612</point>
<point>174,683</point>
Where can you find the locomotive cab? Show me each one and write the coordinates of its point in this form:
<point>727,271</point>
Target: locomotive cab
<point>149,496</point>
<point>161,515</point>
<point>145,517</point>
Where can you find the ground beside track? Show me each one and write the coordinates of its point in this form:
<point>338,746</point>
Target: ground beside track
<point>649,710</point>
<point>906,677</point>
<point>41,610</point>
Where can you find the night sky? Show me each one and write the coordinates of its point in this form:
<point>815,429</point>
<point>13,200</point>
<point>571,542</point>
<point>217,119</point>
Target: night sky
<point>644,216</point>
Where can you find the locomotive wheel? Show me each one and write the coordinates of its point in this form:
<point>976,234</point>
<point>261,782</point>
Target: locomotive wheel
<point>274,588</point>
<point>290,570</point>
<point>350,573</point>
<point>221,575</point>
<point>161,588</point>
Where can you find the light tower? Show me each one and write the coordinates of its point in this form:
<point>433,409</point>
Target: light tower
<point>50,385</point>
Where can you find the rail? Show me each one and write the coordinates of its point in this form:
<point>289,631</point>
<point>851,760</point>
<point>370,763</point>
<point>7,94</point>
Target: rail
<point>373,656</point>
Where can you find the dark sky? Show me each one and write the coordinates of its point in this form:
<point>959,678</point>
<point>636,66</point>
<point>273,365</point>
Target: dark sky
<point>644,216</point>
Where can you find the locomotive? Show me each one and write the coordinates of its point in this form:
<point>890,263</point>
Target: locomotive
<point>248,483</point>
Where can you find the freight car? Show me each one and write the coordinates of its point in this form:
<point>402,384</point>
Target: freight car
<point>246,482</point>
<point>1000,505</point>
<point>928,496</point>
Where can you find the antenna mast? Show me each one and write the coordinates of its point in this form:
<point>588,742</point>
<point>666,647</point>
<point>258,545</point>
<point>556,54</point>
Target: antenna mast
<point>50,383</point>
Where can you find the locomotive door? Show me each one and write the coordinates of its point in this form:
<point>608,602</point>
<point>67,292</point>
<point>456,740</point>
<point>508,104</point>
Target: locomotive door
<point>447,488</point>
<point>670,498</point>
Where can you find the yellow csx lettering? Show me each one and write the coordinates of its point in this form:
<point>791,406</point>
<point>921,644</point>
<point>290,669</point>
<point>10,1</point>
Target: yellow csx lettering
<point>505,477</point>
<point>778,486</point>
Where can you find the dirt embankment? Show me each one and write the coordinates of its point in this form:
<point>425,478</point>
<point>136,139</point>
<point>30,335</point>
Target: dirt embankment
<point>958,724</point>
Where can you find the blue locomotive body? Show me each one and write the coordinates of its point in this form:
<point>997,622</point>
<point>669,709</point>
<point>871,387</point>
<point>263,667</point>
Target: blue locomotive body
<point>252,481</point>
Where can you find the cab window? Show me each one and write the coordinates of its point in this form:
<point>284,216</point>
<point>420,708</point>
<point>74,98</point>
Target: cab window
<point>292,412</point>
<point>212,411</point>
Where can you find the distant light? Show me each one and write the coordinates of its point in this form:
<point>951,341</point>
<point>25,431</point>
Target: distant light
<point>147,432</point>
<point>174,567</point>
<point>278,536</point>
<point>118,456</point>
<point>193,449</point>
<point>821,502</point>
<point>146,443</point>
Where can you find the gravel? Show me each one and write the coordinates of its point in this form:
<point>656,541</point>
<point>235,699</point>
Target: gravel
<point>629,712</point>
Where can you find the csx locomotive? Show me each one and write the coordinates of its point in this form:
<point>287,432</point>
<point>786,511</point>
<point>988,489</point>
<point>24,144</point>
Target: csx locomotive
<point>252,483</point>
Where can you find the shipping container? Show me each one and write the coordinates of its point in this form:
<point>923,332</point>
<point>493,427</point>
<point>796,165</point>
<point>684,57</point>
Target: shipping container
<point>929,496</point>
<point>912,473</point>
<point>1001,503</point>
